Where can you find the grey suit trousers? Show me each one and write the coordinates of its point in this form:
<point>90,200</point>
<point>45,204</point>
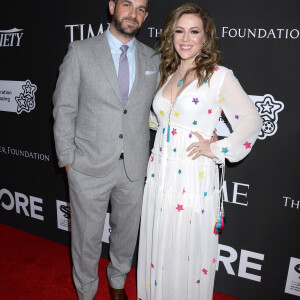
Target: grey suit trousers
<point>89,198</point>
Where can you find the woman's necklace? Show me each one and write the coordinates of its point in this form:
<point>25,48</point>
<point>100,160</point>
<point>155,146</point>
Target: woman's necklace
<point>179,83</point>
<point>172,106</point>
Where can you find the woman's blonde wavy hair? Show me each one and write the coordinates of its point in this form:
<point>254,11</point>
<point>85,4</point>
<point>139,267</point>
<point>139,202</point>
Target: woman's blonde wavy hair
<point>209,55</point>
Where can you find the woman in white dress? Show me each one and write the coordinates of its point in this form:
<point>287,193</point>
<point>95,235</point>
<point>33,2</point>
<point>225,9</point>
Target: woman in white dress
<point>178,243</point>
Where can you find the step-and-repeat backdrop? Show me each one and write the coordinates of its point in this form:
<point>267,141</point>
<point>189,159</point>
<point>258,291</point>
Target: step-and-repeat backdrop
<point>259,252</point>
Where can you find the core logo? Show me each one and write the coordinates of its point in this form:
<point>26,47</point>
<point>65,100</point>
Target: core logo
<point>11,37</point>
<point>30,206</point>
<point>250,263</point>
<point>267,107</point>
<point>17,96</point>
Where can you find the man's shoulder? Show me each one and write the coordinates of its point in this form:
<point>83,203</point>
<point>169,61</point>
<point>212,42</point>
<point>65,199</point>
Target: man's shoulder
<point>146,50</point>
<point>88,43</point>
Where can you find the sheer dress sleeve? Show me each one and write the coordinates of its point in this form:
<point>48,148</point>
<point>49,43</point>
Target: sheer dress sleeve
<point>243,118</point>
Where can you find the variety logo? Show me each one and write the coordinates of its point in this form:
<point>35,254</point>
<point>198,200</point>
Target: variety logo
<point>260,33</point>
<point>11,37</point>
<point>81,31</point>
<point>293,278</point>
<point>17,96</point>
<point>268,109</point>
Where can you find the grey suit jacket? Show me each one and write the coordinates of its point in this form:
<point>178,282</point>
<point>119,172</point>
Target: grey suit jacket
<point>91,124</point>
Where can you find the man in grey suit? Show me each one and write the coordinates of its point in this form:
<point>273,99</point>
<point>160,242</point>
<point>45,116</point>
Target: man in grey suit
<point>101,110</point>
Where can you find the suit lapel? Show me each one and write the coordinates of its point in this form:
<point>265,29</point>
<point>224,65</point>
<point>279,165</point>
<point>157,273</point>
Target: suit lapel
<point>140,67</point>
<point>107,65</point>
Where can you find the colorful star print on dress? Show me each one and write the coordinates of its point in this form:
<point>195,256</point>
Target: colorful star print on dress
<point>183,212</point>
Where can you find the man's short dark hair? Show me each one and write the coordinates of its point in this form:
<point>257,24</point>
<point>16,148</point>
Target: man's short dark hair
<point>116,1</point>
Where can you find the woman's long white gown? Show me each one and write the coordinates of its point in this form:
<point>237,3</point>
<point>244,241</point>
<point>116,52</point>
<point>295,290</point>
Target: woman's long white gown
<point>178,249</point>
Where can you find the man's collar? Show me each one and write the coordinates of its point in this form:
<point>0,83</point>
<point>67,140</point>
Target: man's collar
<point>115,43</point>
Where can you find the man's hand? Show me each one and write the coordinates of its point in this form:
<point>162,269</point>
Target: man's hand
<point>68,168</point>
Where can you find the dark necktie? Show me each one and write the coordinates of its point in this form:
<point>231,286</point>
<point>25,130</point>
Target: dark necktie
<point>123,76</point>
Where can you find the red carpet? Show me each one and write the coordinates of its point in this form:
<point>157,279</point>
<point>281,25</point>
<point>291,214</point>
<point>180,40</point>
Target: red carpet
<point>35,268</point>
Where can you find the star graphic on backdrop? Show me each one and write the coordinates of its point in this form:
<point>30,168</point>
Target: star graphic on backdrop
<point>184,191</point>
<point>214,260</point>
<point>152,158</point>
<point>160,149</point>
<point>153,175</point>
<point>236,116</point>
<point>198,281</point>
<point>201,174</point>
<point>179,171</point>
<point>174,150</point>
<point>247,145</point>
<point>190,135</point>
<point>179,207</point>
<point>216,68</point>
<point>204,271</point>
<point>203,211</point>
<point>206,81</point>
<point>162,112</point>
<point>21,101</point>
<point>222,99</point>
<point>164,130</point>
<point>195,100</point>
<point>205,194</point>
<point>147,284</point>
<point>152,266</point>
<point>174,131</point>
<point>209,111</point>
<point>29,89</point>
<point>224,150</point>
<point>176,114</point>
<point>267,107</point>
<point>151,124</point>
<point>195,123</point>
<point>155,283</point>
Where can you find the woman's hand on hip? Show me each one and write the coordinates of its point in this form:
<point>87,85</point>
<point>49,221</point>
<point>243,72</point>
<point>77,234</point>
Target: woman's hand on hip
<point>202,147</point>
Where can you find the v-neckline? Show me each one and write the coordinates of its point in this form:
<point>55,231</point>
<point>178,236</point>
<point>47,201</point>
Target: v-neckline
<point>175,100</point>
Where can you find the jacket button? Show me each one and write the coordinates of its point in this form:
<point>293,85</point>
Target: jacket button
<point>121,136</point>
<point>125,111</point>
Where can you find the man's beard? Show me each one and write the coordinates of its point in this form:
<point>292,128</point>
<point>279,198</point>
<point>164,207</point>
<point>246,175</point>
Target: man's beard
<point>125,31</point>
